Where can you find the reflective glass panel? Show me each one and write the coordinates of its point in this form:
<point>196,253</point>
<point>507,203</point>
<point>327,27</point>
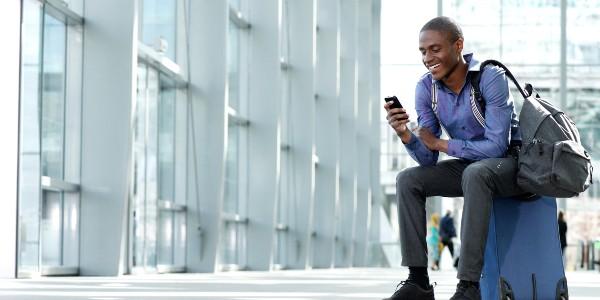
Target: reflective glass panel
<point>166,239</point>
<point>29,138</point>
<point>166,140</point>
<point>159,26</point>
<point>51,228</point>
<point>231,170</point>
<point>233,66</point>
<point>53,97</point>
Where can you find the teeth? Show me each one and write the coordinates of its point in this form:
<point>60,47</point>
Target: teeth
<point>434,66</point>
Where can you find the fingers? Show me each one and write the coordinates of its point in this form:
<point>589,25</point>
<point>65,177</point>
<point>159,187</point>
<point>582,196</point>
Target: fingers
<point>397,114</point>
<point>398,123</point>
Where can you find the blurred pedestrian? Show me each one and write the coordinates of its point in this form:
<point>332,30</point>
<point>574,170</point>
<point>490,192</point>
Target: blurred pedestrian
<point>433,241</point>
<point>562,231</point>
<point>447,234</point>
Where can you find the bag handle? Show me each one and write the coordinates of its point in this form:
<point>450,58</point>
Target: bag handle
<point>524,92</point>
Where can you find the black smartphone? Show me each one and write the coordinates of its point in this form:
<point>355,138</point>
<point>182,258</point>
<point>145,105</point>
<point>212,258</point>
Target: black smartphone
<point>394,99</point>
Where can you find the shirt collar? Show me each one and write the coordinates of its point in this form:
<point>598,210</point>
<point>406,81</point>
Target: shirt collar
<point>473,64</point>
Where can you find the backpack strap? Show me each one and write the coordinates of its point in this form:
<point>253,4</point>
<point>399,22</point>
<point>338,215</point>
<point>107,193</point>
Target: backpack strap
<point>478,110</point>
<point>434,104</point>
<point>477,97</point>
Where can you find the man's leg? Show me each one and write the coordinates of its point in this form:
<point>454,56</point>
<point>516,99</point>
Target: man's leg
<point>480,182</point>
<point>413,185</point>
<point>450,245</point>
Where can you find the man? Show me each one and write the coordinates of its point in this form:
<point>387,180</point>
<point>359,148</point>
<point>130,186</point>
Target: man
<point>482,168</point>
<point>447,233</point>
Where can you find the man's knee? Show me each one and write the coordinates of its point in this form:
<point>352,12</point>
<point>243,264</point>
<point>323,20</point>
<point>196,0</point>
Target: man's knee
<point>476,172</point>
<point>406,178</point>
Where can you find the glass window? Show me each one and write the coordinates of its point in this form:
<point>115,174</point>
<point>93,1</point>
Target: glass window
<point>166,139</point>
<point>51,86</point>
<point>158,230</point>
<point>29,138</point>
<point>158,26</point>
<point>233,66</point>
<point>231,170</point>
<point>583,72</point>
<point>145,179</point>
<point>53,97</point>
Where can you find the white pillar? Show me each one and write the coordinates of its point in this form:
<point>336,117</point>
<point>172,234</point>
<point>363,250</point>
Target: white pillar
<point>375,134</point>
<point>264,101</point>
<point>10,14</point>
<point>364,140</point>
<point>348,130</point>
<point>301,74</point>
<point>327,133</point>
<point>109,88</point>
<point>206,160</point>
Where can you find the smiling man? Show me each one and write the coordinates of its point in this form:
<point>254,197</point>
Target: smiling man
<point>481,138</point>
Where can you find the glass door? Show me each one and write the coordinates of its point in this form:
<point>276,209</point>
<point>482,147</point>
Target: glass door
<point>158,220</point>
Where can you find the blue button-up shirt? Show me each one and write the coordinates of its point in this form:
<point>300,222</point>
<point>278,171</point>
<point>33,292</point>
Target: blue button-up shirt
<point>469,140</point>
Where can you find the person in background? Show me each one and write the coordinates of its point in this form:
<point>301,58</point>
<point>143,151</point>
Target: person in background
<point>447,233</point>
<point>433,241</point>
<point>562,231</point>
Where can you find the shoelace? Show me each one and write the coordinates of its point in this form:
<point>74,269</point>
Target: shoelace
<point>403,282</point>
<point>461,287</point>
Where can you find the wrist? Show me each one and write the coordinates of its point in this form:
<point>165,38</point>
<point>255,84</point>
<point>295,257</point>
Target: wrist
<point>405,136</point>
<point>441,145</point>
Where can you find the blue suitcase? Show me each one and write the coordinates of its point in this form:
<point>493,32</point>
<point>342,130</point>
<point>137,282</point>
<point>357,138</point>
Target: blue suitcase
<point>523,259</point>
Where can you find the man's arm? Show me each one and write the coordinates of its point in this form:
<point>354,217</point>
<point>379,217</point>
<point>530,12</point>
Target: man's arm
<point>417,147</point>
<point>498,113</point>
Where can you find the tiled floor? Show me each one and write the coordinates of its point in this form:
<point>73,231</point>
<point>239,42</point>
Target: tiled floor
<point>287,285</point>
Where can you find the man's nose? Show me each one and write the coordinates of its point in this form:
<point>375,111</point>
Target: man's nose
<point>427,59</point>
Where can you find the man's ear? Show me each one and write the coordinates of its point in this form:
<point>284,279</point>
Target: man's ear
<point>459,45</point>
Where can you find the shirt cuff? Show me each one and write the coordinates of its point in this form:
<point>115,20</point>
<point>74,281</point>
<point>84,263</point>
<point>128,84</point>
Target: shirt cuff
<point>455,148</point>
<point>412,143</point>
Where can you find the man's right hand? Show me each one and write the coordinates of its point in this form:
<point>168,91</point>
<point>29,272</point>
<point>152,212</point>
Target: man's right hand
<point>398,120</point>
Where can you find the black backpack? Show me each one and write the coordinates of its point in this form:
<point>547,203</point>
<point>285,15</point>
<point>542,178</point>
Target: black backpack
<point>552,161</point>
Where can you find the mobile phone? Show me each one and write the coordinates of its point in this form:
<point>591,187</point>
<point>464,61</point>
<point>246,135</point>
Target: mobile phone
<point>394,99</point>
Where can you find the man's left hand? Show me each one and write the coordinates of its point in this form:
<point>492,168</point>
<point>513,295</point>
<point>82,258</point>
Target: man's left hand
<point>431,142</point>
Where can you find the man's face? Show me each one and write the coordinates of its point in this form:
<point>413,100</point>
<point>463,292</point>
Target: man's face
<point>440,56</point>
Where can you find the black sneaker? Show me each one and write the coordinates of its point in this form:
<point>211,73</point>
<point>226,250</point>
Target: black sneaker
<point>410,290</point>
<point>466,291</point>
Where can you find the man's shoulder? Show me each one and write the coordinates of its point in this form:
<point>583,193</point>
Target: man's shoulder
<point>491,72</point>
<point>425,79</point>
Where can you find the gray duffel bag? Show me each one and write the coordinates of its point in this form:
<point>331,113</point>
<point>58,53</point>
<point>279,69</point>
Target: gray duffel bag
<point>552,161</point>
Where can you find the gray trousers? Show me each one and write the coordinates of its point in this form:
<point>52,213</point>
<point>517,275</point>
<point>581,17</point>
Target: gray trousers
<point>477,181</point>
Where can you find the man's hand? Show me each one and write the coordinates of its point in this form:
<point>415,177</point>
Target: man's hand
<point>431,142</point>
<point>398,120</point>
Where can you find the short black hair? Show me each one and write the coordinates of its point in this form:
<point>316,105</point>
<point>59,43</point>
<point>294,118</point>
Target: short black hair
<point>444,25</point>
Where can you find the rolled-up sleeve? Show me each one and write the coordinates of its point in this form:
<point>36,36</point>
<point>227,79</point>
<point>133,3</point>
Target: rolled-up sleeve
<point>426,118</point>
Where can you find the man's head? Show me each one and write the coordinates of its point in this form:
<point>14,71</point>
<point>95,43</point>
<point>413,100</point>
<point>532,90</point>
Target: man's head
<point>441,45</point>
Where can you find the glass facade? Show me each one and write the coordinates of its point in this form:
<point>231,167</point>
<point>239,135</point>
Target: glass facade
<point>136,157</point>
<point>50,122</point>
<point>159,26</point>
